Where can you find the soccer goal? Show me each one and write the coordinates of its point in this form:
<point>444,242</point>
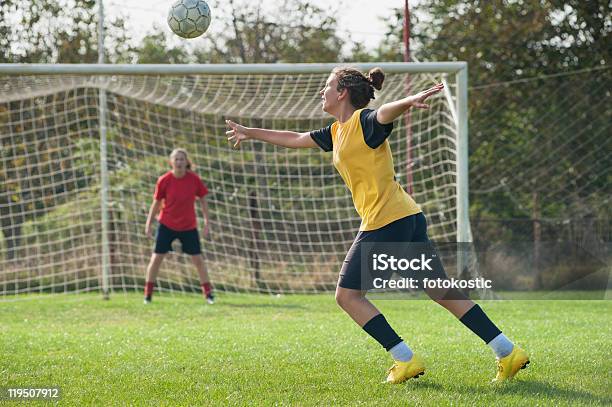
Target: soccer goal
<point>82,147</point>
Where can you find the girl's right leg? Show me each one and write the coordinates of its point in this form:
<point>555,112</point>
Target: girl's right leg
<point>152,271</point>
<point>510,358</point>
<point>163,244</point>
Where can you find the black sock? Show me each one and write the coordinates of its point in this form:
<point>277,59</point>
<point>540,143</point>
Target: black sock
<point>379,329</point>
<point>480,324</point>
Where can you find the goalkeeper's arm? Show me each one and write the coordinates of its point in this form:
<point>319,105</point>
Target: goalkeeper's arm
<point>153,211</point>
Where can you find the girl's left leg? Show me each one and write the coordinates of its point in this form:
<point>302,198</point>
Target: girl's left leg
<point>190,241</point>
<point>198,261</point>
<point>367,316</point>
<point>350,296</point>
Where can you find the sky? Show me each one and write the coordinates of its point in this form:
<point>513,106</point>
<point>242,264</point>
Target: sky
<point>364,22</point>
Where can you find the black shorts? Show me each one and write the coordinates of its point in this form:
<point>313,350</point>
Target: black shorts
<point>391,239</point>
<point>190,240</point>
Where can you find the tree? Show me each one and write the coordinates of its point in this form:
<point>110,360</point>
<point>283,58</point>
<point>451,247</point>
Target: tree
<point>50,31</point>
<point>154,49</point>
<point>503,39</point>
<point>56,31</point>
<point>297,31</point>
<point>517,130</point>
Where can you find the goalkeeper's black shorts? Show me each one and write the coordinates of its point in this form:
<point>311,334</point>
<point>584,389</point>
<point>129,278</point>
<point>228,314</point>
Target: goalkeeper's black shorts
<point>190,240</point>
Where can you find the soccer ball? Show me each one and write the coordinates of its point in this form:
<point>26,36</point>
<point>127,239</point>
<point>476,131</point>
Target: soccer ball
<point>189,18</point>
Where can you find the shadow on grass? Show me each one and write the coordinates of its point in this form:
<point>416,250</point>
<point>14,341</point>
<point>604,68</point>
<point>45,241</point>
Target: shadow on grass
<point>538,388</point>
<point>541,390</point>
<point>423,383</point>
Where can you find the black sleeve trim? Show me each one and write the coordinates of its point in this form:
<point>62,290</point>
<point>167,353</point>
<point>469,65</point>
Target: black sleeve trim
<point>374,133</point>
<point>323,138</point>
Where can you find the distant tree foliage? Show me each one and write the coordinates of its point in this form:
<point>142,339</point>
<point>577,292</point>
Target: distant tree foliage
<point>539,139</point>
<point>58,31</point>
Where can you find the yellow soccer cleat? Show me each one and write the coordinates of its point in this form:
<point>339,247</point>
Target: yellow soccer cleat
<point>509,365</point>
<point>402,371</point>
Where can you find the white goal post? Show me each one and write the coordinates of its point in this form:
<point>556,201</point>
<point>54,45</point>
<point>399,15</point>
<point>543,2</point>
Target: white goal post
<point>82,146</point>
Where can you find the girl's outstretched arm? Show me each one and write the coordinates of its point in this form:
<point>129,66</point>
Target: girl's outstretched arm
<point>290,139</point>
<point>390,111</point>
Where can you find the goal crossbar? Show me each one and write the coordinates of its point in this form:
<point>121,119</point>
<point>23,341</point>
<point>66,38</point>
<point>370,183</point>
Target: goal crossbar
<point>222,69</point>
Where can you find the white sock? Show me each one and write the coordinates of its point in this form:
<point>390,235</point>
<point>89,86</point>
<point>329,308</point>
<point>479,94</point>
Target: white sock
<point>501,345</point>
<point>401,352</point>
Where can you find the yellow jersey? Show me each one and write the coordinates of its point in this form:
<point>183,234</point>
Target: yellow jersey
<point>362,156</point>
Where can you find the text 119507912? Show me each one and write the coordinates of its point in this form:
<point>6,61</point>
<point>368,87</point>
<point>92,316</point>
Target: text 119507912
<point>30,393</point>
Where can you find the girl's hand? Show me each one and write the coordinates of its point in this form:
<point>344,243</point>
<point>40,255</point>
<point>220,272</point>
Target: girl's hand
<point>418,99</point>
<point>148,231</point>
<point>205,231</point>
<point>237,133</point>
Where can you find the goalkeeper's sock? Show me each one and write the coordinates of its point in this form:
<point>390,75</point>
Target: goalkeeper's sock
<point>206,289</point>
<point>148,292</point>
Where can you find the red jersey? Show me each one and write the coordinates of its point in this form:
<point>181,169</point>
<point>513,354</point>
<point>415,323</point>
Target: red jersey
<point>178,195</point>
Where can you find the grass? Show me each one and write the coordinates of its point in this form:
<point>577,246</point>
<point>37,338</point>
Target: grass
<point>294,350</point>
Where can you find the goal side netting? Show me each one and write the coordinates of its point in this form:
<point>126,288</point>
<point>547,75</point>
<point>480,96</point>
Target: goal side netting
<point>73,210</point>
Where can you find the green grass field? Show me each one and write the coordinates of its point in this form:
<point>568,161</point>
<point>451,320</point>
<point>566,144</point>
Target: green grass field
<point>295,350</point>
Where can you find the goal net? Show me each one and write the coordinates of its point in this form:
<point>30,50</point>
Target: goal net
<point>83,146</point>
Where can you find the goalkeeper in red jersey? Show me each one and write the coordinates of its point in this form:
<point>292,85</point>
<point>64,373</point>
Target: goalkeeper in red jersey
<point>362,155</point>
<point>175,194</point>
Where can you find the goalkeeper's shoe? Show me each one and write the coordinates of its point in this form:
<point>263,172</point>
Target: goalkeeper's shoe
<point>210,299</point>
<point>147,300</point>
<point>509,365</point>
<point>402,371</point>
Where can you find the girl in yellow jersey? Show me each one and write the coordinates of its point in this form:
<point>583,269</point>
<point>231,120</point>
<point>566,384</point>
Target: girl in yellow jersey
<point>362,156</point>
